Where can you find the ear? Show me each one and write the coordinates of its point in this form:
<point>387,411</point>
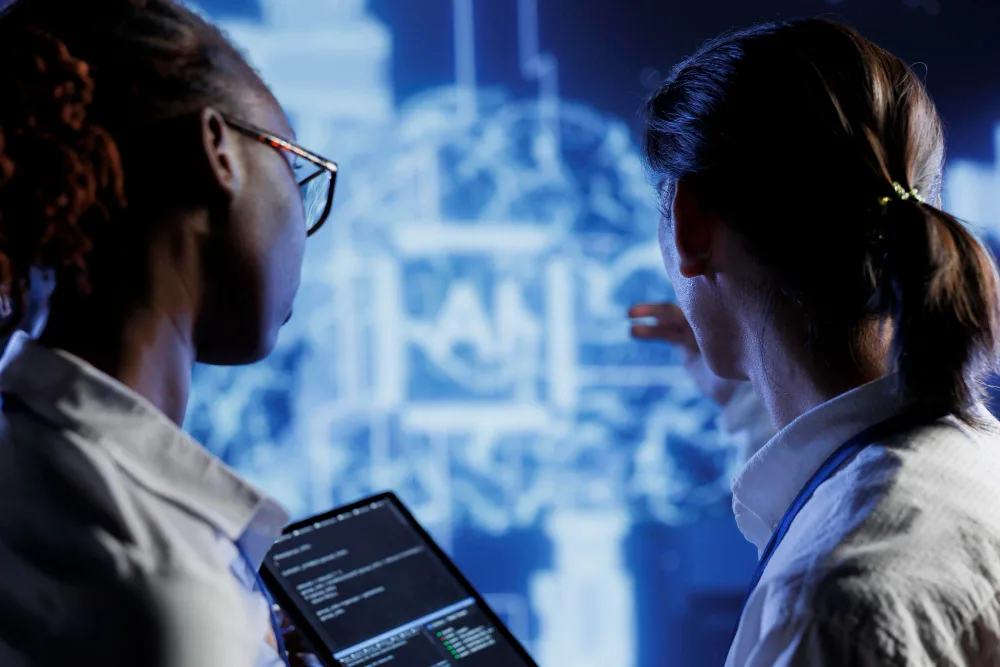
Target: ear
<point>221,152</point>
<point>695,230</point>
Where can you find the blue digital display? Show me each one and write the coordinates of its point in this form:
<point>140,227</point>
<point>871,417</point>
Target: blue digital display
<point>460,338</point>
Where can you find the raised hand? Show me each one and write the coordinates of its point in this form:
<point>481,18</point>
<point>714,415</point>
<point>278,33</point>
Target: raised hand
<point>671,326</point>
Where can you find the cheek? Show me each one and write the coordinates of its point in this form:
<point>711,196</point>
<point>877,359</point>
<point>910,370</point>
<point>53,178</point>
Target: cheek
<point>282,248</point>
<point>288,249</point>
<point>718,326</point>
<point>668,251</point>
<point>685,289</point>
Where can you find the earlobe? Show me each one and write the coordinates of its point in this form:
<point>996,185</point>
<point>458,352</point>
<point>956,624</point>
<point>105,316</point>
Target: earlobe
<point>694,268</point>
<point>694,232</point>
<point>221,152</point>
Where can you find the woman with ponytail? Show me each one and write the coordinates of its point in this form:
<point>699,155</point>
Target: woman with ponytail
<point>799,167</point>
<point>154,210</point>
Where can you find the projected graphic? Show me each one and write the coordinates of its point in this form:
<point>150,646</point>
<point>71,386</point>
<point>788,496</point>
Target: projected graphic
<point>972,191</point>
<point>460,334</point>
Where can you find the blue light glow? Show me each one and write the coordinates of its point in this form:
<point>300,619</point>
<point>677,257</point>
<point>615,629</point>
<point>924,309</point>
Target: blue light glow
<point>460,335</point>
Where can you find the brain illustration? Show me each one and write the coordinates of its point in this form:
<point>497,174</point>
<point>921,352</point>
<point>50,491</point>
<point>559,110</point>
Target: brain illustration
<point>460,336</point>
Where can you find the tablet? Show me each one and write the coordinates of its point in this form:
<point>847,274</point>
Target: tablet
<point>367,586</point>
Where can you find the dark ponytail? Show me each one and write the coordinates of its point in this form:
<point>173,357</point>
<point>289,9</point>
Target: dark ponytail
<point>814,144</point>
<point>939,289</point>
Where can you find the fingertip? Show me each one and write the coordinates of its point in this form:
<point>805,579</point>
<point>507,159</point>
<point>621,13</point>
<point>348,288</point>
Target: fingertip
<point>671,313</point>
<point>639,310</point>
<point>642,331</point>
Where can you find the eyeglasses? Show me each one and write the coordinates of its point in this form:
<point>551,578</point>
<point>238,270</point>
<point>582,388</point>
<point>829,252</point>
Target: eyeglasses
<point>317,176</point>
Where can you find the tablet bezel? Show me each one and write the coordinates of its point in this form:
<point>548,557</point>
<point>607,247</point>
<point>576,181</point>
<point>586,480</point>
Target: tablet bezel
<point>305,626</point>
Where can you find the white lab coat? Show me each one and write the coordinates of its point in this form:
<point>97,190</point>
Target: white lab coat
<point>894,561</point>
<point>117,532</point>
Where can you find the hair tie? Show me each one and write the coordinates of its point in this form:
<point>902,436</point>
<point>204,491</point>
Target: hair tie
<point>903,194</point>
<point>876,236</point>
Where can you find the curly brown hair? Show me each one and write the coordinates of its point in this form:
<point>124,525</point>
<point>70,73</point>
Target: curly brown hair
<point>82,83</point>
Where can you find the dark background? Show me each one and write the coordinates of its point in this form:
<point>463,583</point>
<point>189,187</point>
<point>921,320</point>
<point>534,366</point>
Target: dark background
<point>610,50</point>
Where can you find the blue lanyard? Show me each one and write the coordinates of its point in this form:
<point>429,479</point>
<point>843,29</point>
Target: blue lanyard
<point>259,585</point>
<point>892,426</point>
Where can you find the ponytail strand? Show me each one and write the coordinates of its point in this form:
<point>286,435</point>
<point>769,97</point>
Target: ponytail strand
<point>939,288</point>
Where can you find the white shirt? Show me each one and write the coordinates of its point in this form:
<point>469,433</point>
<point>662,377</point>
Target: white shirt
<point>118,529</point>
<point>747,421</point>
<point>896,558</point>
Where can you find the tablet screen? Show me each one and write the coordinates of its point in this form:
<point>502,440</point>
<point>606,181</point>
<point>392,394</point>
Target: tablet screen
<point>375,590</point>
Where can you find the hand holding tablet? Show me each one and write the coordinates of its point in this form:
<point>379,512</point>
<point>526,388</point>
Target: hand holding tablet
<point>367,586</point>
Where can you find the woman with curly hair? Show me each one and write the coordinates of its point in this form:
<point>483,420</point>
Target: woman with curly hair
<point>148,179</point>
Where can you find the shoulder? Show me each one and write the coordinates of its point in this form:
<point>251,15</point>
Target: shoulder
<point>63,601</point>
<point>49,477</point>
<point>68,594</point>
<point>96,571</point>
<point>926,494</point>
<point>902,601</point>
<point>852,615</point>
<point>898,556</point>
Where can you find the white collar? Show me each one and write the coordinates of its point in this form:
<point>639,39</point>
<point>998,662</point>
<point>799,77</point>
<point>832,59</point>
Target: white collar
<point>143,442</point>
<point>768,483</point>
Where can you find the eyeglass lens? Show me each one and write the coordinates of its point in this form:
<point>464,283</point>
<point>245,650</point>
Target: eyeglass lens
<point>315,195</point>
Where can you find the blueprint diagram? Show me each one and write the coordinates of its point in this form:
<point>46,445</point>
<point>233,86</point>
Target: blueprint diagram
<point>460,334</point>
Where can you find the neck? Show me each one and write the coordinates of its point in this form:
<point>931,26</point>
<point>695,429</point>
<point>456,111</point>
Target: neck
<point>138,324</point>
<point>791,380</point>
<point>147,352</point>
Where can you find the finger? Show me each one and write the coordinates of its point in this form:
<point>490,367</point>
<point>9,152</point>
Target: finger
<point>304,660</point>
<point>654,332</point>
<point>669,334</point>
<point>295,643</point>
<point>665,314</point>
<point>647,309</point>
<point>680,336</point>
<point>670,330</point>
